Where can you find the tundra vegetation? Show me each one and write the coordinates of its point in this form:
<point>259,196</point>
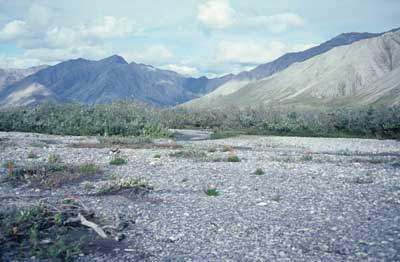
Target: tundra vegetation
<point>129,119</point>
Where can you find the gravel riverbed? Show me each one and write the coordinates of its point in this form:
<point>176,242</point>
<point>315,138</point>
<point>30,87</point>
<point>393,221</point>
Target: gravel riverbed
<point>320,199</point>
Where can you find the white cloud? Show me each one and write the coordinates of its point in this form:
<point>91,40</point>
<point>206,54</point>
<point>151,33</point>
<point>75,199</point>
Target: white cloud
<point>49,43</point>
<point>51,55</point>
<point>253,53</point>
<point>108,27</point>
<point>13,30</point>
<point>17,62</point>
<point>182,69</point>
<point>154,55</point>
<point>216,14</point>
<point>275,23</point>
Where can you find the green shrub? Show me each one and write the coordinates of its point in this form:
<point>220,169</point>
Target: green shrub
<point>212,192</point>
<point>259,172</point>
<point>129,119</point>
<point>118,161</point>
<point>233,158</point>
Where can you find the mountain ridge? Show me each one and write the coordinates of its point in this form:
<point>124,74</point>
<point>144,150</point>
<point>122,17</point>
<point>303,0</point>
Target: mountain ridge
<point>344,74</point>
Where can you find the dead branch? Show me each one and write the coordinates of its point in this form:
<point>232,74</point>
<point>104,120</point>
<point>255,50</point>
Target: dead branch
<point>92,225</point>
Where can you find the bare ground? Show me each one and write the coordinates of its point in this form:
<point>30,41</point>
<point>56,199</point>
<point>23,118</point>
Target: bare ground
<point>318,200</point>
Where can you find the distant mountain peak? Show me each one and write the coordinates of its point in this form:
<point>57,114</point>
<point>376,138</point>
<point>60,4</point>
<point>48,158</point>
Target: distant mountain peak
<point>115,59</point>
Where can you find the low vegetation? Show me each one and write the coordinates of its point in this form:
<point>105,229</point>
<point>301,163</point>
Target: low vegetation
<point>192,154</point>
<point>46,231</point>
<point>122,184</point>
<point>126,142</point>
<point>259,172</point>
<point>211,191</point>
<point>232,157</point>
<point>118,161</point>
<point>128,119</point>
<point>32,155</point>
<point>49,175</point>
<point>53,159</point>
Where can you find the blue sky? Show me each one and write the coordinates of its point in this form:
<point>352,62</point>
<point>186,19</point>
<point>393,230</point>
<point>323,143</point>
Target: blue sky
<point>195,37</point>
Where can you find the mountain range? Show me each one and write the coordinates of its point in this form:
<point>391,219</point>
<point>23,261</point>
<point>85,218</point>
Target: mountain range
<point>10,76</point>
<point>361,67</point>
<point>105,81</point>
<point>364,72</point>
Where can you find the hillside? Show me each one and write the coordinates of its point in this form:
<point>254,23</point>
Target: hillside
<point>10,76</point>
<point>111,79</point>
<point>365,68</point>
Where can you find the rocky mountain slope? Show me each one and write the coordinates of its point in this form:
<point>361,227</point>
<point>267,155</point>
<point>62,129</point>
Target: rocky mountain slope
<point>104,81</point>
<point>10,76</point>
<point>367,68</point>
<point>283,62</point>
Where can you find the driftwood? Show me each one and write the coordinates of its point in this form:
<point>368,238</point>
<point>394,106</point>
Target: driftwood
<point>93,226</point>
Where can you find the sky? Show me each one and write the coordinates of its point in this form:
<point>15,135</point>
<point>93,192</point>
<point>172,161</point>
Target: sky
<point>192,37</point>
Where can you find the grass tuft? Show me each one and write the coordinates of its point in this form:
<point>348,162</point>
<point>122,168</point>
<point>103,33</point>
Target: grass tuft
<point>212,192</point>
<point>116,186</point>
<point>118,161</point>
<point>259,172</point>
<point>32,155</point>
<point>53,159</point>
<point>233,158</point>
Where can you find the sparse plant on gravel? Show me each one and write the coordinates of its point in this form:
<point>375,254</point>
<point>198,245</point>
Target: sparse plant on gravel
<point>363,179</point>
<point>32,155</point>
<point>212,149</point>
<point>50,175</point>
<point>233,157</point>
<point>259,172</point>
<point>118,161</point>
<point>115,186</point>
<point>211,191</point>
<point>276,198</point>
<point>195,154</point>
<point>345,152</point>
<point>227,148</point>
<point>53,159</point>
<point>43,231</point>
<point>306,157</point>
<point>157,156</point>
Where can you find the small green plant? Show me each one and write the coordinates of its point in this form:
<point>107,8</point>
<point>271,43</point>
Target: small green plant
<point>157,156</point>
<point>195,154</point>
<point>118,161</point>
<point>227,148</point>
<point>365,179</point>
<point>233,158</point>
<point>212,149</point>
<point>212,192</point>
<point>87,186</point>
<point>306,157</point>
<point>40,231</point>
<point>276,198</point>
<point>87,169</point>
<point>9,164</point>
<point>345,152</point>
<point>259,172</point>
<point>32,155</point>
<point>53,159</point>
<point>115,186</point>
